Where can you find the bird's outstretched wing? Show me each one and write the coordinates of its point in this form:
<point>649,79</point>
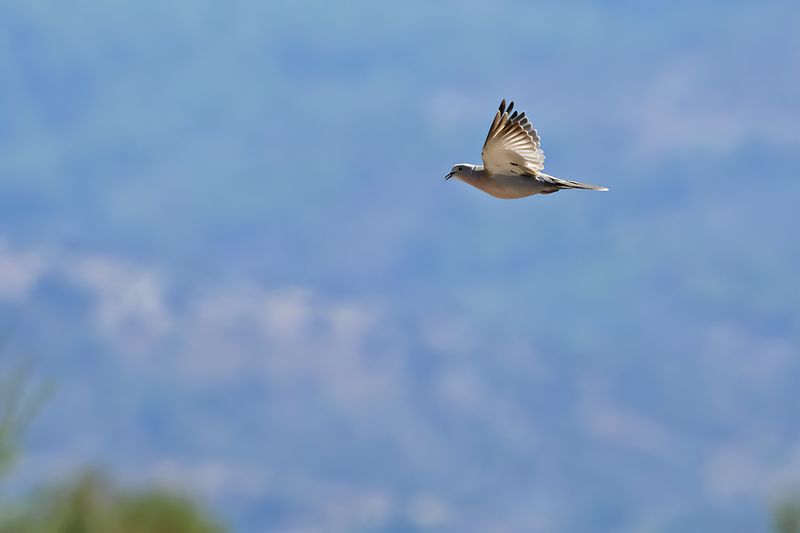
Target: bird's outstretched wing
<point>512,145</point>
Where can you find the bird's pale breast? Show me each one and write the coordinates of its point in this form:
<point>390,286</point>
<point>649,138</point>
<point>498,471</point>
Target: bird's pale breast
<point>509,187</point>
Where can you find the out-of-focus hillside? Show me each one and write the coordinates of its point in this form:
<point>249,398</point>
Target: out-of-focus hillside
<point>223,229</point>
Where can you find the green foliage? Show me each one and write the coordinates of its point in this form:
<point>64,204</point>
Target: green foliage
<point>787,516</point>
<point>20,398</point>
<point>90,504</point>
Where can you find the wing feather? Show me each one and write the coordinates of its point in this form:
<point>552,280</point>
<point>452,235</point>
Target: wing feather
<point>512,144</point>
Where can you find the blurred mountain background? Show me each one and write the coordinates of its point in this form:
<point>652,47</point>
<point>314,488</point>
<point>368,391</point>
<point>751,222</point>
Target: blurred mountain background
<point>225,236</point>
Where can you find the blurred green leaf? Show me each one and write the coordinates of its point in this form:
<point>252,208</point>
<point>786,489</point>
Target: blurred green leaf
<point>91,504</point>
<point>21,396</point>
<point>787,516</point>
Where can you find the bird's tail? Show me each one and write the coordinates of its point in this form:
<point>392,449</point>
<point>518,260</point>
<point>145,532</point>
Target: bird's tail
<point>568,184</point>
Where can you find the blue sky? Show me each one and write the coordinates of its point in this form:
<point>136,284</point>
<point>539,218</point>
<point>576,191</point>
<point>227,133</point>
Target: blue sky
<point>225,236</point>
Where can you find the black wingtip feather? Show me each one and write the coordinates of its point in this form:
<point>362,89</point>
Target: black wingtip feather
<point>502,107</point>
<point>510,107</point>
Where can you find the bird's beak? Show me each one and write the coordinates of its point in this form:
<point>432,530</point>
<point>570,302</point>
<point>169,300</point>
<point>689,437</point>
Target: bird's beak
<point>449,176</point>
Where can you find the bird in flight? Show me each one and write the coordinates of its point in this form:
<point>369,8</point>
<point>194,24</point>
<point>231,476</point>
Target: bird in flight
<point>513,161</point>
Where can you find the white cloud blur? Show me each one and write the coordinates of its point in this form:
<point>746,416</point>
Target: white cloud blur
<point>622,425</point>
<point>736,472</point>
<point>128,300</point>
<point>687,107</point>
<point>220,333</point>
<point>130,304</point>
<point>20,270</point>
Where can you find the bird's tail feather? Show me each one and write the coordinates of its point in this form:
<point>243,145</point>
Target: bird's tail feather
<point>569,184</point>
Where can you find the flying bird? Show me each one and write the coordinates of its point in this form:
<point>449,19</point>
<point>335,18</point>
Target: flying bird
<point>513,161</point>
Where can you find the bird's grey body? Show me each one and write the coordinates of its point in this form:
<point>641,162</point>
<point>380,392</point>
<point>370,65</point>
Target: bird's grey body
<point>513,161</point>
<point>505,186</point>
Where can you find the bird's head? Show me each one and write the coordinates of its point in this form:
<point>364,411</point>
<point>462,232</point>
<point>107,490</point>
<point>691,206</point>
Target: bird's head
<point>459,170</point>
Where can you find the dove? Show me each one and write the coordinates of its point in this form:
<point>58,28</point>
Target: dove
<point>513,161</point>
